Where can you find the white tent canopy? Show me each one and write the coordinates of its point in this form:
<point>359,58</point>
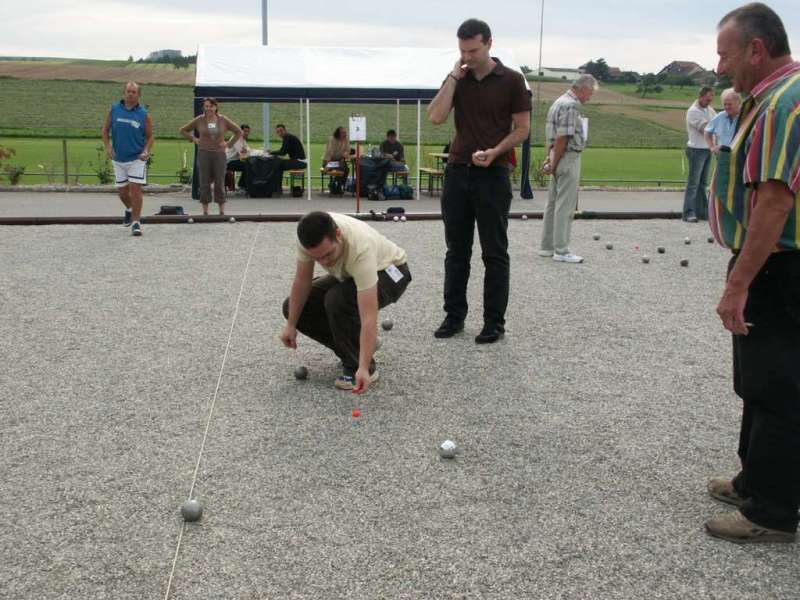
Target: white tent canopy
<point>352,75</point>
<point>327,73</point>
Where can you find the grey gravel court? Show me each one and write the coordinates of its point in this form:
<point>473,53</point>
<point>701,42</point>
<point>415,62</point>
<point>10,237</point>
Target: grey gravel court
<point>138,371</point>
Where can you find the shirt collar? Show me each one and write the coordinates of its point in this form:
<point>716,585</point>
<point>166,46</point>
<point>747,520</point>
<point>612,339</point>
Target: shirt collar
<point>764,84</point>
<point>499,69</point>
<point>571,93</point>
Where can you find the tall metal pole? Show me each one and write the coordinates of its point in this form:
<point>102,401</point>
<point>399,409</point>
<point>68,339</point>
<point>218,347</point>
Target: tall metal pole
<point>264,43</point>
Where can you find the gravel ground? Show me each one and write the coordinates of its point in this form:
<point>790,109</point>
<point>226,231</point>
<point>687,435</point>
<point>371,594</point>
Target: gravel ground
<point>587,434</point>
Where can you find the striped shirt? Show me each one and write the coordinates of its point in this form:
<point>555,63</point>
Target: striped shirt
<point>766,147</point>
<point>564,120</point>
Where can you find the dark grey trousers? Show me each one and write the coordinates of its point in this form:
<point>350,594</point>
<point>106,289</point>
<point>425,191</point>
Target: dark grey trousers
<point>331,317</point>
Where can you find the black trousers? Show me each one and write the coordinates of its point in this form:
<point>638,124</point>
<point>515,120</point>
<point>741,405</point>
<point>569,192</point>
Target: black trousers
<point>766,375</point>
<point>330,315</point>
<point>476,195</point>
<point>239,165</point>
<point>292,164</point>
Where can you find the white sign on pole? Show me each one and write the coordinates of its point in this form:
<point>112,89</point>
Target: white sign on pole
<point>358,128</point>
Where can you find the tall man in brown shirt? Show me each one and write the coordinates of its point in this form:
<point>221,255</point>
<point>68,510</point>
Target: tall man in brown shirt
<point>490,100</point>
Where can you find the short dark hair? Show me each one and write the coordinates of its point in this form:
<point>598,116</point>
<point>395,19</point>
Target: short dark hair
<point>704,90</point>
<point>472,27</point>
<point>213,101</point>
<point>244,126</point>
<point>391,132</point>
<point>315,227</point>
<point>757,20</point>
<point>280,125</point>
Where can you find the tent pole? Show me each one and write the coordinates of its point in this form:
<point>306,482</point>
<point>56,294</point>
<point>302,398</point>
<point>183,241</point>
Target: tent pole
<point>419,147</point>
<point>308,144</point>
<point>397,119</point>
<point>301,118</point>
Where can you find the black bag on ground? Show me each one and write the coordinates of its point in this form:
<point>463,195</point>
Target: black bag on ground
<point>263,176</point>
<point>170,209</point>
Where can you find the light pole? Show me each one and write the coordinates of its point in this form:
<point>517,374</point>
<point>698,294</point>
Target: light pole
<point>264,43</point>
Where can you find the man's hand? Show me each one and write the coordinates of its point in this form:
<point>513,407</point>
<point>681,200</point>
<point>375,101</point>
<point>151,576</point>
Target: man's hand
<point>289,336</point>
<point>731,310</point>
<point>362,381</point>
<point>715,149</point>
<point>110,152</point>
<point>459,70</point>
<point>484,158</point>
<point>144,155</point>
<point>547,167</point>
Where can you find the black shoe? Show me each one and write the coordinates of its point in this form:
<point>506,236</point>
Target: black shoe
<point>490,334</point>
<point>449,328</point>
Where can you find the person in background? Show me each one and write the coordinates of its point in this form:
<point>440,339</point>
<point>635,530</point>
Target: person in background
<point>392,149</point>
<point>291,147</point>
<point>208,132</point>
<point>719,132</point>
<point>128,139</point>
<point>699,115</point>
<point>238,153</point>
<point>566,141</point>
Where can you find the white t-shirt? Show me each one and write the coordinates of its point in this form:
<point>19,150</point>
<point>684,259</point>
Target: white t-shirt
<point>696,120</point>
<point>232,153</point>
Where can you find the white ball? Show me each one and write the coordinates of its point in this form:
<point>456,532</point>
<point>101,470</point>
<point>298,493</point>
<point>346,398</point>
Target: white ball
<point>403,218</point>
<point>395,218</point>
<point>447,449</point>
<point>232,220</point>
<point>190,221</point>
<point>524,217</point>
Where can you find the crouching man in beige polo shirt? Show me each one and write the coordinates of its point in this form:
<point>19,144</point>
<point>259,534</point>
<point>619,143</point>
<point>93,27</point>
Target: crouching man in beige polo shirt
<point>366,271</point>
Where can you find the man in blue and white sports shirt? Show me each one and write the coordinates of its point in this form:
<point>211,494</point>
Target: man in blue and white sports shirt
<point>131,138</point>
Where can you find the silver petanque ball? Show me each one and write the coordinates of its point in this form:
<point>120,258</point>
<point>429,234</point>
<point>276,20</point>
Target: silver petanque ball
<point>403,218</point>
<point>192,510</point>
<point>190,221</point>
<point>395,218</point>
<point>609,246</point>
<point>687,241</point>
<point>596,237</point>
<point>232,219</point>
<point>645,259</point>
<point>300,372</point>
<point>524,217</point>
<point>387,324</point>
<point>448,449</point>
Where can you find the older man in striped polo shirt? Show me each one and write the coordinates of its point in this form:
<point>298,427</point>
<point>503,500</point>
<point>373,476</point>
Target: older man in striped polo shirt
<point>755,213</point>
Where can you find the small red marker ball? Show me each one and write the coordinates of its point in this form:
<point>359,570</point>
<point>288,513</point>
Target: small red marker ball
<point>356,413</point>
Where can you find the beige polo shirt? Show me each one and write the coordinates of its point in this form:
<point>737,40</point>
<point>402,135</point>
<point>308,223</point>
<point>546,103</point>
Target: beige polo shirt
<point>366,252</point>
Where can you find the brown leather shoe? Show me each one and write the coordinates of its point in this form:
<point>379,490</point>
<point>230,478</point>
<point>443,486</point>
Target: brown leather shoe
<point>723,490</point>
<point>735,527</point>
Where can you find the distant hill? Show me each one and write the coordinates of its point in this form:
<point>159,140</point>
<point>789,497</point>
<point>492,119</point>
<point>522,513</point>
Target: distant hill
<point>94,70</point>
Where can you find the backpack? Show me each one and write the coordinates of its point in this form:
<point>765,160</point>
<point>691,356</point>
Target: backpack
<point>406,192</point>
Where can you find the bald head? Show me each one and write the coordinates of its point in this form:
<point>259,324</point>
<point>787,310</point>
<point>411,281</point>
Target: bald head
<point>132,91</point>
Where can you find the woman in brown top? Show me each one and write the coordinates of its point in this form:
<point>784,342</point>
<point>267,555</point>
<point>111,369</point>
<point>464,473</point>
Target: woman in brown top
<point>337,149</point>
<point>210,129</point>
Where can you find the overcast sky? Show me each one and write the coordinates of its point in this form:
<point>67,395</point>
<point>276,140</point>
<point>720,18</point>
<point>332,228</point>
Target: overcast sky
<point>632,34</point>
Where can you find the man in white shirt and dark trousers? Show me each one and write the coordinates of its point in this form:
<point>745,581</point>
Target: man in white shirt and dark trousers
<point>699,115</point>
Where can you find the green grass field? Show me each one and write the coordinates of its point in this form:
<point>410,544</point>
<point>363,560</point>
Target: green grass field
<point>613,165</point>
<point>74,109</point>
<point>669,93</point>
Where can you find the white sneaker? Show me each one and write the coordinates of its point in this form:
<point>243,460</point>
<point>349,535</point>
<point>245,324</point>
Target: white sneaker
<point>567,258</point>
<point>545,253</point>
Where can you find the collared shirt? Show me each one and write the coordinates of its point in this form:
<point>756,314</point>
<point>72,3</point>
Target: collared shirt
<point>723,126</point>
<point>483,111</point>
<point>697,118</point>
<point>564,119</point>
<point>766,147</point>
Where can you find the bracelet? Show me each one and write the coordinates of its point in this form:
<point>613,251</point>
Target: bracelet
<point>453,76</point>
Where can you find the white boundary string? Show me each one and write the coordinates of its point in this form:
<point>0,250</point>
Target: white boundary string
<point>213,403</point>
